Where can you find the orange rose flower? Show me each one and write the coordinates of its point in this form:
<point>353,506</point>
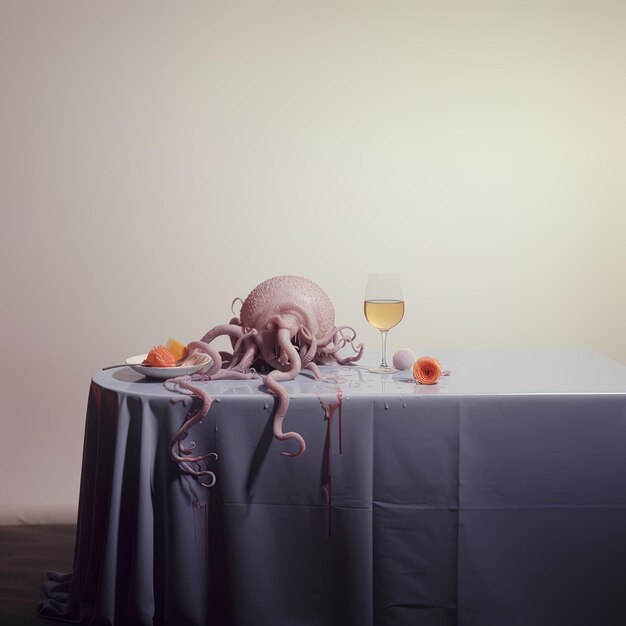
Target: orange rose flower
<point>160,356</point>
<point>427,370</point>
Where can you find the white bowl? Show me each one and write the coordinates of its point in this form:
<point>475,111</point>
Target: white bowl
<point>163,373</point>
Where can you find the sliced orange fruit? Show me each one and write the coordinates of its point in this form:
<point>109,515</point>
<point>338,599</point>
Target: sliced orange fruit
<point>160,356</point>
<point>176,348</point>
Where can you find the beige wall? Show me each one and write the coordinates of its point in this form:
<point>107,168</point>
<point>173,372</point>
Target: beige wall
<point>158,159</point>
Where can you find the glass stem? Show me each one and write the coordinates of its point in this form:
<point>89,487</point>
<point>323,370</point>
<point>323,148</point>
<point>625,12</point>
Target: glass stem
<point>383,335</point>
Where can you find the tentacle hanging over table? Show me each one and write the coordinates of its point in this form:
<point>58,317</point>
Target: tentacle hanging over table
<point>181,453</point>
<point>272,383</point>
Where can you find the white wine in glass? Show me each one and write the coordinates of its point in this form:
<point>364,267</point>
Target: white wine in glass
<point>384,309</point>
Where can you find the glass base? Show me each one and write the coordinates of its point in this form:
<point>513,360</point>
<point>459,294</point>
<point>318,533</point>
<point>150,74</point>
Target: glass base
<point>382,370</point>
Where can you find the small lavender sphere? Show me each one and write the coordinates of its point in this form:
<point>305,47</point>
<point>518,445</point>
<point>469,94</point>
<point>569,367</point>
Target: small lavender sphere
<point>403,359</point>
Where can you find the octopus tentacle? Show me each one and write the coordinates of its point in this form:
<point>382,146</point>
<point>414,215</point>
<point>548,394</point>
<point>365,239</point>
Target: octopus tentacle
<point>211,351</point>
<point>247,332</point>
<point>227,357</point>
<point>339,334</point>
<point>242,350</point>
<point>272,382</point>
<point>233,375</point>
<point>326,339</point>
<point>316,370</point>
<point>347,360</point>
<point>248,357</point>
<point>309,355</point>
<point>232,306</point>
<point>333,348</point>
<point>193,472</point>
<point>183,456</point>
<point>233,330</point>
<point>339,341</point>
<point>235,358</point>
<point>234,321</point>
<point>337,330</point>
<point>266,347</point>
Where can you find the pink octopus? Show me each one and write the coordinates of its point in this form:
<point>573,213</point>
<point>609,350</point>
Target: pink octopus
<point>286,324</point>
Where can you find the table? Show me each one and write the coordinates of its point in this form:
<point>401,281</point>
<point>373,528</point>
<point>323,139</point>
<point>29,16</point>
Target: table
<point>497,497</point>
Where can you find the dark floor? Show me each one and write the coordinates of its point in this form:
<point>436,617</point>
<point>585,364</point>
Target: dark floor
<point>26,554</point>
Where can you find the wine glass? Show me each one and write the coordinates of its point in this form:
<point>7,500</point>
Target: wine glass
<point>384,309</point>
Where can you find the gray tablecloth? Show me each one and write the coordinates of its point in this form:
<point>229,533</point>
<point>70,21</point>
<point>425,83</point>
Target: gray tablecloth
<point>497,497</point>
